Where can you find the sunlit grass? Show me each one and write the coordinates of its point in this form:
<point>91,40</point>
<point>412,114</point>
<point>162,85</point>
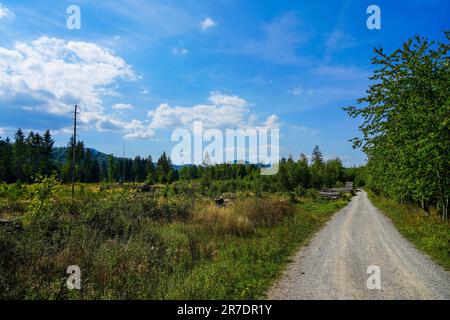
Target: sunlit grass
<point>429,233</point>
<point>140,246</point>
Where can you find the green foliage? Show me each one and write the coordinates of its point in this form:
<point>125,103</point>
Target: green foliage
<point>136,246</point>
<point>13,192</point>
<point>243,268</point>
<point>111,169</point>
<point>26,157</point>
<point>406,124</point>
<point>92,166</point>
<point>426,232</point>
<point>45,190</point>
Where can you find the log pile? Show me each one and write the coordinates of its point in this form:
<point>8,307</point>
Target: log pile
<point>330,194</point>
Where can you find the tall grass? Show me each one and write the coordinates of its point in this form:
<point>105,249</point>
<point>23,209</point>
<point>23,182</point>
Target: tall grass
<point>428,232</point>
<point>242,217</point>
<point>138,246</point>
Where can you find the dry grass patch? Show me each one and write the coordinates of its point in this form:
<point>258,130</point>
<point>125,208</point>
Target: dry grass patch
<point>242,217</point>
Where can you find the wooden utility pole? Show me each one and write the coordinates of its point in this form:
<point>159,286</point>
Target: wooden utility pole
<point>123,165</point>
<point>74,147</point>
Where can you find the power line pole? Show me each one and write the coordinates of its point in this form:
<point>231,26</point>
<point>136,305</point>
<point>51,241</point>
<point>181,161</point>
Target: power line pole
<point>123,165</point>
<point>74,147</point>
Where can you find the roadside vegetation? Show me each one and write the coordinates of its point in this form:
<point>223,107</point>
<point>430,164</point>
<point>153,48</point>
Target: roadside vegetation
<point>425,230</point>
<point>406,124</point>
<point>144,230</point>
<point>160,245</point>
<point>406,137</point>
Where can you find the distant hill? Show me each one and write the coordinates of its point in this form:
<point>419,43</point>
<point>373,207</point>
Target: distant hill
<point>60,155</point>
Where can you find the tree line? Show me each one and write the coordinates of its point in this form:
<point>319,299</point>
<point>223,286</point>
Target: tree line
<point>26,157</point>
<point>406,124</point>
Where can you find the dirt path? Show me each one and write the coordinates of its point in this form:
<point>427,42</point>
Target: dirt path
<point>334,265</point>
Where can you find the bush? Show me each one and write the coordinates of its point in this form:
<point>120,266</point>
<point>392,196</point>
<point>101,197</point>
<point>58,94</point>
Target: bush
<point>300,191</point>
<point>311,193</point>
<point>44,191</point>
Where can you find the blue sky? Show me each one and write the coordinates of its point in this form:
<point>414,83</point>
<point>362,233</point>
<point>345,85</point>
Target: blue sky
<point>139,69</point>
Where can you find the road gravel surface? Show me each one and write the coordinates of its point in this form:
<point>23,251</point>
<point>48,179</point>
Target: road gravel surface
<point>335,263</point>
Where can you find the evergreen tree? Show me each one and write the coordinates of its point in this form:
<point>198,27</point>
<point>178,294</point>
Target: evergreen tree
<point>111,169</point>
<point>20,155</point>
<point>163,166</point>
<point>317,168</point>
<point>47,159</point>
<point>6,161</point>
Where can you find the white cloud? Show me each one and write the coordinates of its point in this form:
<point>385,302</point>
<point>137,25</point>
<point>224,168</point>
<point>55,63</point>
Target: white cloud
<point>208,23</point>
<point>122,106</point>
<point>51,75</point>
<point>272,122</point>
<point>212,116</point>
<point>144,91</point>
<point>5,12</point>
<point>218,98</point>
<point>141,132</point>
<point>225,112</point>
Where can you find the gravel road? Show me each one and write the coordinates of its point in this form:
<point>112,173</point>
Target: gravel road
<point>334,264</point>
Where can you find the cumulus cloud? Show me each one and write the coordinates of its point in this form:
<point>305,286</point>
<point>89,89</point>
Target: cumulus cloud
<point>208,23</point>
<point>5,12</point>
<point>212,116</point>
<point>141,132</point>
<point>224,111</point>
<point>51,75</point>
<point>218,98</point>
<point>272,122</point>
<point>122,106</point>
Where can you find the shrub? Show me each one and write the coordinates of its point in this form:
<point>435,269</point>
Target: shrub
<point>44,191</point>
<point>311,193</point>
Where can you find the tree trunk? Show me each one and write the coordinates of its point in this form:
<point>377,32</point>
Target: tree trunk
<point>445,210</point>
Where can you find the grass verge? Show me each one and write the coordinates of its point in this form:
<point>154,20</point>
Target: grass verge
<point>429,233</point>
<point>245,268</point>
